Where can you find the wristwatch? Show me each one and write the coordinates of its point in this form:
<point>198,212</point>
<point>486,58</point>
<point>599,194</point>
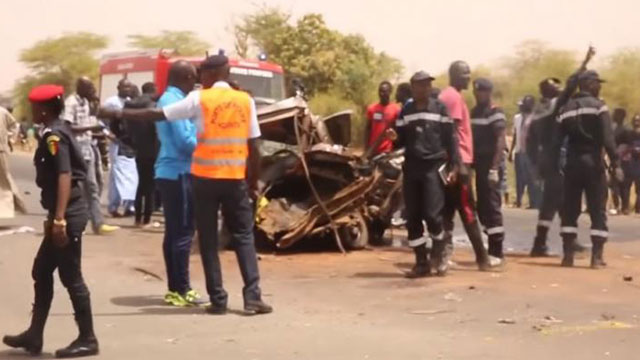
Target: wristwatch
<point>61,222</point>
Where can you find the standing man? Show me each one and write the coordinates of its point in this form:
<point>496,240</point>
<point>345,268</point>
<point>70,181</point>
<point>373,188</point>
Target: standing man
<point>60,171</point>
<point>489,123</point>
<point>10,198</point>
<point>619,131</point>
<point>77,112</point>
<point>173,180</point>
<point>629,146</point>
<point>123,177</point>
<point>459,194</point>
<point>428,136</point>
<point>225,168</point>
<point>524,170</point>
<point>381,116</point>
<point>586,124</point>
<point>145,144</point>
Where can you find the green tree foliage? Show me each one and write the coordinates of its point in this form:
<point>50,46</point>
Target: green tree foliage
<point>58,60</point>
<point>339,69</point>
<point>186,43</point>
<point>622,89</point>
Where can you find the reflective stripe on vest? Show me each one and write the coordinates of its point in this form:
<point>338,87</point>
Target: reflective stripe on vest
<point>222,148</point>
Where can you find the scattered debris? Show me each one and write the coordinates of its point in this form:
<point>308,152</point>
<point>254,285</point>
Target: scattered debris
<point>17,230</point>
<point>627,278</point>
<point>430,312</point>
<point>607,316</point>
<point>554,285</point>
<point>452,297</point>
<point>172,341</point>
<point>546,329</point>
<point>506,321</point>
<point>148,273</point>
<point>472,287</point>
<point>552,320</point>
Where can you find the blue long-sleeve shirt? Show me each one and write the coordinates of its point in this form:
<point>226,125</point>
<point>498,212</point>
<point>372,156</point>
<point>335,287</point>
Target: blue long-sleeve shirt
<point>177,140</point>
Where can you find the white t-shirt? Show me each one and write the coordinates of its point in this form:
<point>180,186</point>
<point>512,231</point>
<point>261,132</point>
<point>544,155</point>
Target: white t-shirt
<point>189,108</point>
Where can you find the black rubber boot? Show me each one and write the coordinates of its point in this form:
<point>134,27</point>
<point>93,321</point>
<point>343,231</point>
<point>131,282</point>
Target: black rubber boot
<point>597,260</point>
<point>440,255</point>
<point>495,247</point>
<point>475,237</point>
<point>422,268</point>
<point>568,248</point>
<point>86,344</point>
<point>31,339</point>
<point>540,248</point>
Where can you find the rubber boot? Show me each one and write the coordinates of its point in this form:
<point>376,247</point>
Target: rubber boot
<point>475,237</point>
<point>495,246</point>
<point>540,248</point>
<point>422,268</point>
<point>597,260</point>
<point>31,339</point>
<point>86,344</point>
<point>441,253</point>
<point>568,248</point>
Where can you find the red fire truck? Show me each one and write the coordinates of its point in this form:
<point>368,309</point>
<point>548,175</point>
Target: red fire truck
<point>263,79</point>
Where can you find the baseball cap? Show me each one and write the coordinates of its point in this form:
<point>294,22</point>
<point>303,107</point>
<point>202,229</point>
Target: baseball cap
<point>421,76</point>
<point>590,75</point>
<point>483,84</point>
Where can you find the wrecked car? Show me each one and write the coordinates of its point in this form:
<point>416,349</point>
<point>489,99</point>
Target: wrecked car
<point>315,186</point>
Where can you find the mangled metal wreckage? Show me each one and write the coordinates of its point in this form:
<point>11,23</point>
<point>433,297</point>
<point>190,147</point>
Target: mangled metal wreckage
<point>314,186</point>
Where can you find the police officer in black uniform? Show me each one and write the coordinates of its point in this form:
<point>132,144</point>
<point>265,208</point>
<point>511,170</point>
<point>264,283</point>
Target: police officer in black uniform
<point>60,172</point>
<point>488,124</point>
<point>428,136</point>
<point>586,124</point>
<point>540,149</point>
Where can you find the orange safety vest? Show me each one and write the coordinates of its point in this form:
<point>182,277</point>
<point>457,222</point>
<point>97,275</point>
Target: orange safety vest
<point>222,148</point>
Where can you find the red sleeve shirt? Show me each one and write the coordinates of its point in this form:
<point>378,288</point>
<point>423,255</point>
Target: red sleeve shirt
<point>381,117</point>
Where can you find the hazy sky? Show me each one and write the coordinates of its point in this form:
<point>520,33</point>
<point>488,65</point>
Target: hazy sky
<point>424,34</point>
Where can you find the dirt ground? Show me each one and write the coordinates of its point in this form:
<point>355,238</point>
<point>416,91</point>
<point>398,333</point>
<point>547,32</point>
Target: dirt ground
<point>333,306</point>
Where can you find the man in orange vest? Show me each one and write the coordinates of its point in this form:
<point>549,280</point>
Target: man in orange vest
<point>225,169</point>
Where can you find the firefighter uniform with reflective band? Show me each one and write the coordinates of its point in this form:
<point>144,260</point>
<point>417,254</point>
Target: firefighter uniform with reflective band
<point>487,124</point>
<point>428,137</point>
<point>586,124</point>
<point>226,120</point>
<point>543,131</point>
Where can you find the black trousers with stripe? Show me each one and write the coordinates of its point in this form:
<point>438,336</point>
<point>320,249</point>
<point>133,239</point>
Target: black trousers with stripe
<point>584,174</point>
<point>424,200</point>
<point>489,199</point>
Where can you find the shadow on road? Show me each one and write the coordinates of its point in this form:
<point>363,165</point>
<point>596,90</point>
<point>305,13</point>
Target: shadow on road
<point>378,275</point>
<point>21,354</point>
<point>154,305</point>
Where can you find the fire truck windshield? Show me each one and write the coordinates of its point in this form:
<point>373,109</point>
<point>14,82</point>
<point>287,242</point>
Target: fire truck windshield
<point>266,86</point>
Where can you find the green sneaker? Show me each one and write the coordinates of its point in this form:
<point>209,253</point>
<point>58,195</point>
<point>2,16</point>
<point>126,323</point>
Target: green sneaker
<point>175,299</point>
<point>194,298</point>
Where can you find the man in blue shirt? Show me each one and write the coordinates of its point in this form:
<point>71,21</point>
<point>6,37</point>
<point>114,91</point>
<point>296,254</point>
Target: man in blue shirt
<point>172,175</point>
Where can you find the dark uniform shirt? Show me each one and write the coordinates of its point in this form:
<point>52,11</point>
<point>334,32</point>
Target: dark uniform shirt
<point>586,123</point>
<point>426,135</point>
<point>143,133</point>
<point>487,123</point>
<point>58,153</point>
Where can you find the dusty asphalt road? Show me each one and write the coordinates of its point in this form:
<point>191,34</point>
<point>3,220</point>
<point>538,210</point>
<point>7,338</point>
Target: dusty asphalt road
<point>332,306</point>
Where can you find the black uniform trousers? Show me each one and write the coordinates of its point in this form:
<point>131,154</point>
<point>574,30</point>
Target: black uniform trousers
<point>145,194</point>
<point>552,198</point>
<point>68,262</point>
<point>584,174</point>
<point>232,195</point>
<point>489,199</point>
<point>424,200</point>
